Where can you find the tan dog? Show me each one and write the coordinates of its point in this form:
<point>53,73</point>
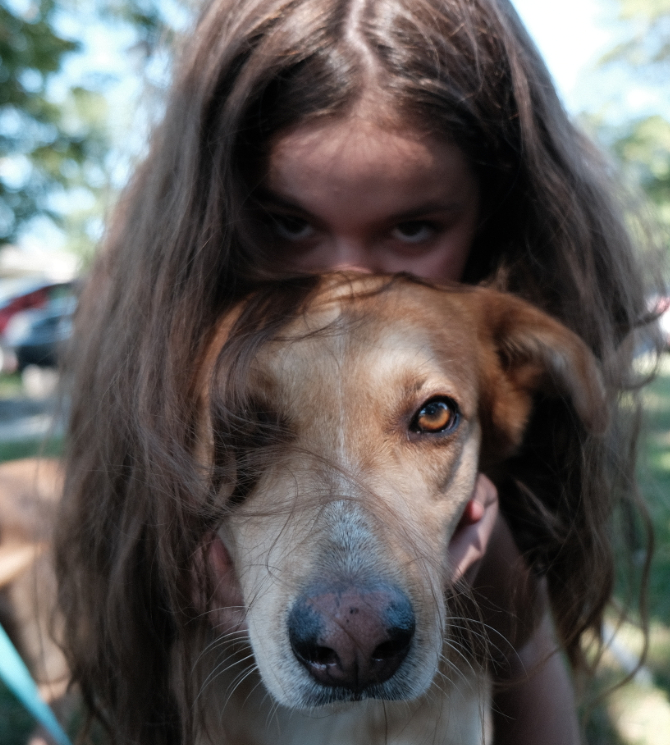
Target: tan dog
<point>368,418</point>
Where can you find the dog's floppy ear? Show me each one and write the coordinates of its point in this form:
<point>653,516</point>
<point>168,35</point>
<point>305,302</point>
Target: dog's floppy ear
<point>524,352</point>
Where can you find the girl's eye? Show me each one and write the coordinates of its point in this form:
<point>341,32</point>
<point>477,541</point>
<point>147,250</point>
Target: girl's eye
<point>439,415</point>
<point>413,231</point>
<point>291,228</point>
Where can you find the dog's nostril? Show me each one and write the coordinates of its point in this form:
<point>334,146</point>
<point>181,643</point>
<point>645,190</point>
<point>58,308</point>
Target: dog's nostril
<point>320,656</point>
<point>354,650</point>
<point>392,648</point>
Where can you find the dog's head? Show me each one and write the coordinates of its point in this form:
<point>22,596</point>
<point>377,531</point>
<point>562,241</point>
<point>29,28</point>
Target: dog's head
<point>347,450</point>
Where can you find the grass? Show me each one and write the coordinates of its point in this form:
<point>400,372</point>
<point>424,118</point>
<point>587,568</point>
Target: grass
<point>655,483</point>
<point>15,449</point>
<point>637,713</point>
<point>11,387</point>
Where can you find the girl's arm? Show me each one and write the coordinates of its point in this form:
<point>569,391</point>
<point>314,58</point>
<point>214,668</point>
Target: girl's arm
<point>540,709</point>
<point>534,703</point>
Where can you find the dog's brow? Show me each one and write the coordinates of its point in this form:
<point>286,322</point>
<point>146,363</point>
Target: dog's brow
<point>414,386</point>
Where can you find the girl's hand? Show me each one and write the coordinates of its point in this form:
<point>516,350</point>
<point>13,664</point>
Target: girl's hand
<point>469,542</point>
<point>511,598</point>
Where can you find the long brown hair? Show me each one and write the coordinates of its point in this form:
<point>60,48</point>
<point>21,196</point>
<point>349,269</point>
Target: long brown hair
<point>183,246</point>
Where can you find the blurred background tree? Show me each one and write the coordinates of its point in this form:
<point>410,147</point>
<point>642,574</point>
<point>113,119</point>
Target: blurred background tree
<point>643,149</point>
<point>647,46</point>
<point>642,143</point>
<point>46,145</point>
<point>59,145</point>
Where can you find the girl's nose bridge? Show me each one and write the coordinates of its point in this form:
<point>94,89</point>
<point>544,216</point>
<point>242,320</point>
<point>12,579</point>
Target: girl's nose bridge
<point>353,252</point>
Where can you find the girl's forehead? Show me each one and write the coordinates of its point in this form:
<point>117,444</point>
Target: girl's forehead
<point>354,138</point>
<point>330,158</point>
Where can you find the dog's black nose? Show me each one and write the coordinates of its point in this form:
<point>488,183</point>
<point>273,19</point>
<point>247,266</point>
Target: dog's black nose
<point>352,637</point>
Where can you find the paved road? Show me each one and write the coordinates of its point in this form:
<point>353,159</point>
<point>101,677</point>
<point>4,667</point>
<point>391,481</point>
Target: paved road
<point>26,419</point>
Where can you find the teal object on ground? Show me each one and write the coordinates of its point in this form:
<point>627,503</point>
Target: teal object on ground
<point>17,678</point>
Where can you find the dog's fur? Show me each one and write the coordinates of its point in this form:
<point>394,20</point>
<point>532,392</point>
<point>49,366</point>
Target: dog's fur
<point>347,501</point>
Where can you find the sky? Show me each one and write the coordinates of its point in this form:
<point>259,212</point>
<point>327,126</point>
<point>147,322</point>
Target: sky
<point>571,35</point>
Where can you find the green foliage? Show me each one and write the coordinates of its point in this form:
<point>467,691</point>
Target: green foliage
<point>650,9</point>
<point>44,144</point>
<point>655,485</point>
<point>16,449</point>
<point>642,145</point>
<point>648,44</point>
<point>644,151</point>
<point>146,18</point>
<point>57,138</point>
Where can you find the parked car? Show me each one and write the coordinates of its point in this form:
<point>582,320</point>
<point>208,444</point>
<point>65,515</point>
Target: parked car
<point>24,293</point>
<point>37,335</point>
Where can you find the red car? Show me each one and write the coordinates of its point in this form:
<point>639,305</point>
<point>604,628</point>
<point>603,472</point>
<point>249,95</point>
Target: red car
<point>23,294</point>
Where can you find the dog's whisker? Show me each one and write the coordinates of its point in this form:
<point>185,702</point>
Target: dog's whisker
<point>271,715</point>
<point>470,627</point>
<point>450,664</point>
<point>220,670</point>
<point>235,685</point>
<point>227,663</point>
<point>220,641</point>
<point>252,690</point>
<point>239,680</point>
<point>462,655</point>
<point>236,682</point>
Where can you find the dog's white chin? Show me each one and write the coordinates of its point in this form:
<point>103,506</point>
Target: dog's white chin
<point>310,695</point>
<point>396,689</point>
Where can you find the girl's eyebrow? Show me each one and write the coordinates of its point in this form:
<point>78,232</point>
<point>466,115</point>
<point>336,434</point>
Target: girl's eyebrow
<point>270,199</point>
<point>426,209</point>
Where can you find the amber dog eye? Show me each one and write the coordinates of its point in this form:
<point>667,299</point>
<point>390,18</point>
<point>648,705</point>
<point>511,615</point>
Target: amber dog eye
<point>438,415</point>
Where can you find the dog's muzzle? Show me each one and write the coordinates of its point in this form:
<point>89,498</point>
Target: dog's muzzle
<point>349,637</point>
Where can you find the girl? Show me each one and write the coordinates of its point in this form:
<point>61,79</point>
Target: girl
<point>300,135</point>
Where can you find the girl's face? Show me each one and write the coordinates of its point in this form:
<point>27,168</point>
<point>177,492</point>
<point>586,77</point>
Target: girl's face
<point>352,194</point>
